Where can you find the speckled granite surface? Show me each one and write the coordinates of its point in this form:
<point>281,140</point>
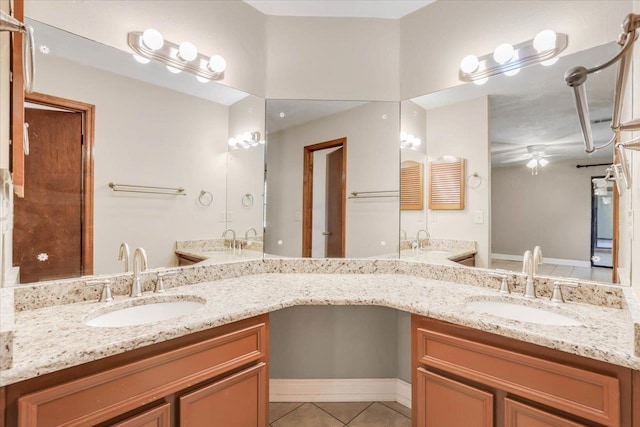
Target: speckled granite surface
<point>54,338</point>
<point>6,327</point>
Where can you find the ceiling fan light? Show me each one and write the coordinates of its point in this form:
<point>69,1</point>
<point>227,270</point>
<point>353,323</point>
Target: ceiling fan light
<point>532,163</point>
<point>543,162</point>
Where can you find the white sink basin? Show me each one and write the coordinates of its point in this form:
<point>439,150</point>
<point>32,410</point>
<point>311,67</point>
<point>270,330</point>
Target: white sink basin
<point>523,313</point>
<point>150,312</point>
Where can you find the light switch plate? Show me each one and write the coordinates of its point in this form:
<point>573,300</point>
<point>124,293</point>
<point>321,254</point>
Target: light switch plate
<point>433,216</point>
<point>478,217</point>
<point>297,216</point>
<point>222,216</point>
<point>229,216</point>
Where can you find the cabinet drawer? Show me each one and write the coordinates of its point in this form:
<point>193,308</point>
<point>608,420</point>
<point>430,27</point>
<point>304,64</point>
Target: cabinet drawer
<point>99,397</point>
<point>450,403</point>
<point>156,417</point>
<point>583,393</point>
<point>518,414</point>
<point>239,400</point>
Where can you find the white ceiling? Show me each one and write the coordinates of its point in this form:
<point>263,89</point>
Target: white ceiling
<point>390,9</point>
<point>297,112</point>
<point>537,107</point>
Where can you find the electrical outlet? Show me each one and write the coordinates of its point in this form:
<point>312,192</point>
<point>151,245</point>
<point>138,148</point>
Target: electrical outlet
<point>433,216</point>
<point>222,216</point>
<point>420,217</point>
<point>297,216</point>
<point>478,217</point>
<point>229,216</point>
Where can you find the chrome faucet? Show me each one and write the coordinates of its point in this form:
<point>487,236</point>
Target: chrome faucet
<point>139,266</point>
<point>246,234</point>
<point>124,255</point>
<point>233,236</point>
<point>428,236</point>
<point>537,258</point>
<point>528,269</point>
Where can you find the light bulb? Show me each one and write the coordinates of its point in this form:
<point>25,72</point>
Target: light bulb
<point>545,40</point>
<point>232,142</point>
<point>217,64</point>
<point>503,53</point>
<point>543,162</point>
<point>174,70</point>
<point>141,59</point>
<point>187,51</point>
<point>282,115</point>
<point>469,64</point>
<point>512,72</point>
<point>202,79</point>
<point>246,136</point>
<point>152,39</point>
<point>532,163</point>
<point>417,142</point>
<point>550,62</point>
<point>480,82</point>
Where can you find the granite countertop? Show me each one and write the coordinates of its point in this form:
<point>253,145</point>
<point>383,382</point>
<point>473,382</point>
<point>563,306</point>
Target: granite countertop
<point>220,256</point>
<point>52,338</point>
<point>436,256</point>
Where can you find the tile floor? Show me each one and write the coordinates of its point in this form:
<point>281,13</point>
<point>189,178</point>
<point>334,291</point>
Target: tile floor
<point>599,274</point>
<point>339,414</point>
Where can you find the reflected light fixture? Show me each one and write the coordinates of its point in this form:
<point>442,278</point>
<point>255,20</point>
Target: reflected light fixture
<point>508,59</point>
<point>536,162</point>
<point>409,141</point>
<point>245,140</point>
<point>150,45</point>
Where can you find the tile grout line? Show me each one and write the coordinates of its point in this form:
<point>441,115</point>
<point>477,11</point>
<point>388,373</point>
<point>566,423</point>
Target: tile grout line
<point>393,409</point>
<point>333,416</point>
<point>360,413</point>
<point>284,415</point>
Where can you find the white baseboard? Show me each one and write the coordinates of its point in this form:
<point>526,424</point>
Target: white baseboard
<point>340,390</point>
<point>556,261</point>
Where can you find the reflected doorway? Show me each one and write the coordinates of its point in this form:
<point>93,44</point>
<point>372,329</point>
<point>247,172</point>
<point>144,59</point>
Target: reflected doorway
<point>602,225</point>
<point>324,199</point>
<point>53,222</point>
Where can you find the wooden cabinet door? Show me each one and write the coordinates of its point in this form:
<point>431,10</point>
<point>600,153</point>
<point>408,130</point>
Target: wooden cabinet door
<point>156,417</point>
<point>239,400</point>
<point>518,414</point>
<point>445,402</point>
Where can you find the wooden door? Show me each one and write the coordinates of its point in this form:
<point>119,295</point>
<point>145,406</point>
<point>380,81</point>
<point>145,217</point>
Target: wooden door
<point>157,417</point>
<point>518,414</point>
<point>47,234</point>
<point>334,205</point>
<point>239,400</point>
<point>445,402</point>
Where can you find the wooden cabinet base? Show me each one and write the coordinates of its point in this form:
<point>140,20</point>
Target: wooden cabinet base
<point>97,392</point>
<point>565,390</point>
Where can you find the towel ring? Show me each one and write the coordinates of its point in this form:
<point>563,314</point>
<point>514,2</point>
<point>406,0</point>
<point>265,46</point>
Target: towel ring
<point>477,180</point>
<point>205,198</point>
<point>247,200</point>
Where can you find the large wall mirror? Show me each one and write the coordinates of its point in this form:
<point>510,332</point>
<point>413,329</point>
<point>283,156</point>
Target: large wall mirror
<point>527,178</point>
<point>152,129</point>
<point>332,183</point>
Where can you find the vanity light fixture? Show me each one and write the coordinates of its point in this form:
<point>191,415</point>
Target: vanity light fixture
<point>150,45</point>
<point>508,59</point>
<point>409,141</point>
<point>246,140</point>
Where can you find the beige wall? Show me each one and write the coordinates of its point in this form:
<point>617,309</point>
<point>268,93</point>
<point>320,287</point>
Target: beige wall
<point>245,167</point>
<point>551,209</point>
<point>372,164</point>
<point>181,144</point>
<point>232,29</point>
<point>413,120</point>
<point>632,231</point>
<point>447,135</point>
<point>434,39</point>
<point>333,58</point>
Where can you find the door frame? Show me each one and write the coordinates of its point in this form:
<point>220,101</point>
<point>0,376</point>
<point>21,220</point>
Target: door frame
<point>88,129</point>
<point>307,193</point>
<point>594,231</point>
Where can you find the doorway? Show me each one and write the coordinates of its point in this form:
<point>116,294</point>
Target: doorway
<point>602,198</point>
<point>330,198</point>
<point>53,222</point>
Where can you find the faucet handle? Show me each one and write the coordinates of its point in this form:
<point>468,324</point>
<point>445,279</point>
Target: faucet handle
<point>504,285</point>
<point>557,296</point>
<point>160,283</point>
<point>106,295</point>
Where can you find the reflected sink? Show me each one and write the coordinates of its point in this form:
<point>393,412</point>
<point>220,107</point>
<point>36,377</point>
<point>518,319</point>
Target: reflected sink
<point>523,313</point>
<point>145,312</point>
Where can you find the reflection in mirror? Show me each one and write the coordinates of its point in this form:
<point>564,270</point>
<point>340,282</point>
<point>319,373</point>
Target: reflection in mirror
<point>154,129</point>
<point>528,178</point>
<point>332,179</point>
